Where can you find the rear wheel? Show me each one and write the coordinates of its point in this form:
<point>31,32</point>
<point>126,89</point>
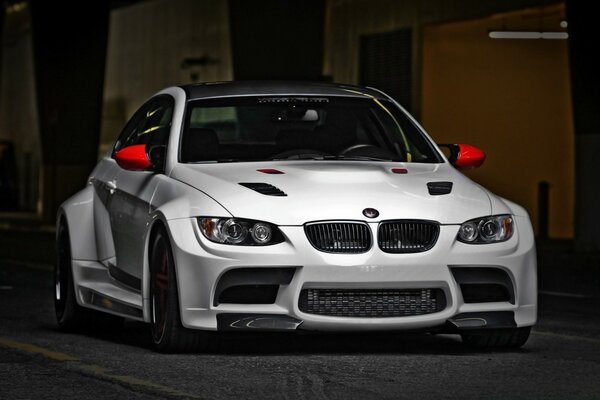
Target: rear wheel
<point>70,316</point>
<point>168,334</point>
<point>497,338</point>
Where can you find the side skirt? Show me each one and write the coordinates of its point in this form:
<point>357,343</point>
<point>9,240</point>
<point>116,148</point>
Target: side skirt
<point>113,306</point>
<point>96,288</point>
<point>125,278</point>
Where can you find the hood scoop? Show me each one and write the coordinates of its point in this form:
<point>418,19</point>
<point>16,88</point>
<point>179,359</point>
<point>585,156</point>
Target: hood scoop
<point>439,188</point>
<point>264,188</point>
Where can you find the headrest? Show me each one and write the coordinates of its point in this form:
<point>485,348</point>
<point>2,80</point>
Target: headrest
<point>200,144</point>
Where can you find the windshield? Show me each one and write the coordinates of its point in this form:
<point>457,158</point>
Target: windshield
<point>292,128</point>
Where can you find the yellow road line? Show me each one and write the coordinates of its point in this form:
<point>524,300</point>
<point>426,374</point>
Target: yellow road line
<point>568,337</point>
<point>93,370</point>
<point>33,349</point>
<point>103,373</point>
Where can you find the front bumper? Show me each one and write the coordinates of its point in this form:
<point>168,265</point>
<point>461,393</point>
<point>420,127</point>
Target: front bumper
<point>201,263</point>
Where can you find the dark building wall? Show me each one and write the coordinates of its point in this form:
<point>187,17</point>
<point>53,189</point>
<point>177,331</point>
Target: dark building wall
<point>512,98</point>
<point>277,39</point>
<point>347,21</point>
<point>272,39</point>
<point>2,11</point>
<point>18,108</point>
<point>69,52</point>
<point>585,84</point>
<point>143,58</point>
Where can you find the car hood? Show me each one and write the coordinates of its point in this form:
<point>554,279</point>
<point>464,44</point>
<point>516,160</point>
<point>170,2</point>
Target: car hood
<point>337,190</point>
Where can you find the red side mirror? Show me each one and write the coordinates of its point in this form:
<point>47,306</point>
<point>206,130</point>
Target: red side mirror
<point>133,158</point>
<point>469,157</point>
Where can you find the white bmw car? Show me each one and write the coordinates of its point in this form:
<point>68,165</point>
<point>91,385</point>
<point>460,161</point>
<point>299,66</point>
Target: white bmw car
<point>277,206</point>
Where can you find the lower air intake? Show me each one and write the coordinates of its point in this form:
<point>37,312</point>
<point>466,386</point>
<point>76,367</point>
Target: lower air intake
<point>378,303</point>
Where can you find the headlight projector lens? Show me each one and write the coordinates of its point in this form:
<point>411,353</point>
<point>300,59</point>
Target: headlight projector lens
<point>233,231</point>
<point>261,233</point>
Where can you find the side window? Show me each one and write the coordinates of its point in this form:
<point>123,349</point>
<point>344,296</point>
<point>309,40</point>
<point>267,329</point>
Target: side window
<point>149,125</point>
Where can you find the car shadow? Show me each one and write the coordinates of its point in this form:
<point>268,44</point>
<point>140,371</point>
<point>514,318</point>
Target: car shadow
<point>136,334</point>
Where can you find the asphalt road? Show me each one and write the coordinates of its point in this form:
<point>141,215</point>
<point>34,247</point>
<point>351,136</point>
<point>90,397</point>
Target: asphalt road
<point>560,361</point>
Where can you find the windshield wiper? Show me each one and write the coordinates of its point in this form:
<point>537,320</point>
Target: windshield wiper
<point>330,157</point>
<point>220,160</point>
<point>296,157</point>
<point>303,157</point>
<point>359,158</point>
<point>227,160</point>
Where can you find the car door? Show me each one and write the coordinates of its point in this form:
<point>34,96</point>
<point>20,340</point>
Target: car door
<point>129,203</point>
<point>102,180</point>
<point>100,177</point>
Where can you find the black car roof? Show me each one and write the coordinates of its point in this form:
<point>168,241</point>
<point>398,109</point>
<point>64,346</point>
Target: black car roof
<point>276,88</point>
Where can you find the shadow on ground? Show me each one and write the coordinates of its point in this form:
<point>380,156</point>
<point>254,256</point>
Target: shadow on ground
<point>136,334</point>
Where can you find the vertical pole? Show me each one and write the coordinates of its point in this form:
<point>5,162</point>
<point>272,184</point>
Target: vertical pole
<point>543,209</point>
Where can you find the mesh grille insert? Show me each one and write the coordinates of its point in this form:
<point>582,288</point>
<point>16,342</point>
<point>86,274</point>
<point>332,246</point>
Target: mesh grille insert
<point>377,303</point>
<point>339,237</point>
<point>407,236</point>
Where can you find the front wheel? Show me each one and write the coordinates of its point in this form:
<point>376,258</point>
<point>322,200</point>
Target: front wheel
<point>497,338</point>
<point>168,334</point>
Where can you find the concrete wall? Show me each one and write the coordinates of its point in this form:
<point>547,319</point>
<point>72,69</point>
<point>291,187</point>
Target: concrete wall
<point>148,43</point>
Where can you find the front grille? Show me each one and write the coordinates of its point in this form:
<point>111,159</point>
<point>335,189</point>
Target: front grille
<point>377,303</point>
<point>339,237</point>
<point>407,236</point>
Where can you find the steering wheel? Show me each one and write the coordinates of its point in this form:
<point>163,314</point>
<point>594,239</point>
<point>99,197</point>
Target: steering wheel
<point>300,153</point>
<point>367,150</point>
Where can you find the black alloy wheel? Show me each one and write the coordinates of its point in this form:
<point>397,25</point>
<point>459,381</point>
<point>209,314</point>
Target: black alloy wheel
<point>168,334</point>
<point>69,315</point>
<point>61,271</point>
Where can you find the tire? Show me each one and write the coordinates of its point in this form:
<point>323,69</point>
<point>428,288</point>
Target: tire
<point>497,338</point>
<point>70,316</point>
<point>168,334</point>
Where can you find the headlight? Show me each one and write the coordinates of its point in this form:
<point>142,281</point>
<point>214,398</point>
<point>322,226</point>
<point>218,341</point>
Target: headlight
<point>238,231</point>
<point>497,228</point>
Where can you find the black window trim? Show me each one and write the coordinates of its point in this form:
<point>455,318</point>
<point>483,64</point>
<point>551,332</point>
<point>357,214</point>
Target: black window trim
<point>139,111</point>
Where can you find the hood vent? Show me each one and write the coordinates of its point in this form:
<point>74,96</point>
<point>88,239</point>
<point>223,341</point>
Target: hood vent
<point>263,188</point>
<point>439,188</point>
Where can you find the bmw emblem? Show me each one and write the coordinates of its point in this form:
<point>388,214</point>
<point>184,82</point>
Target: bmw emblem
<point>370,213</point>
